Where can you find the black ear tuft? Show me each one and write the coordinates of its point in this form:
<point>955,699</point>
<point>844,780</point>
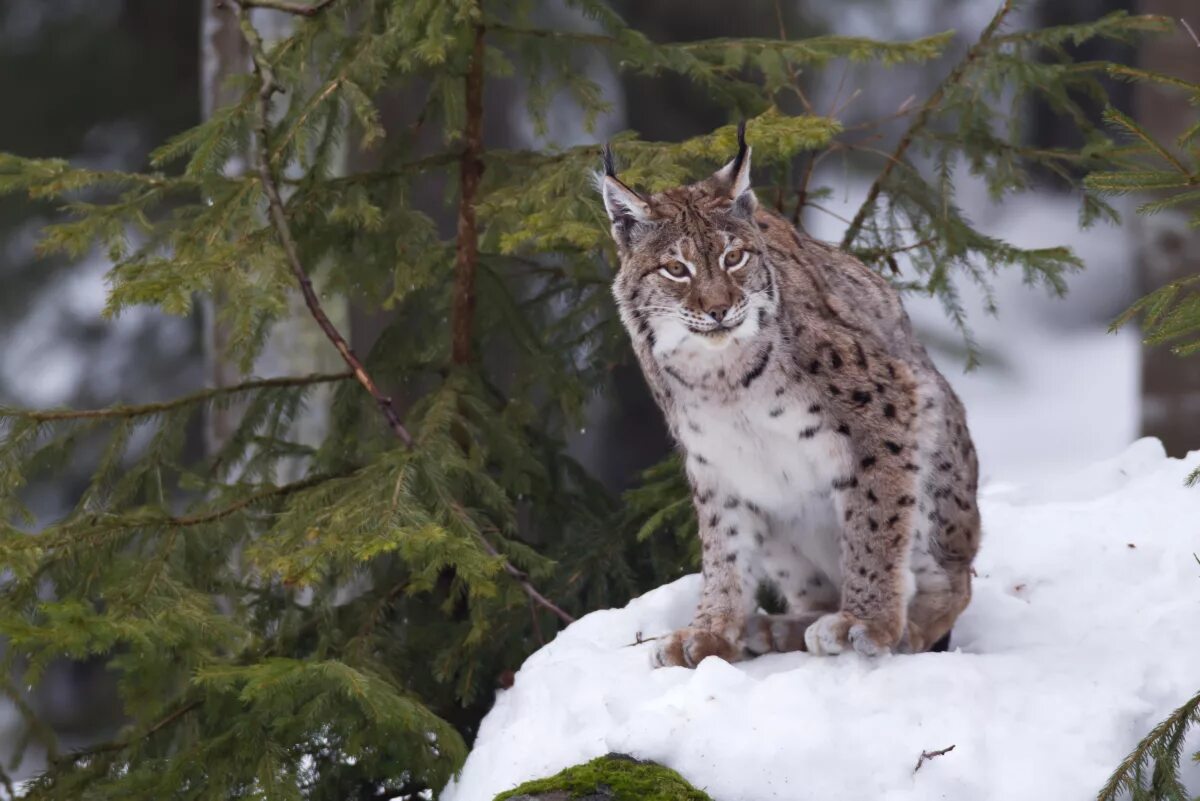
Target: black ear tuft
<point>610,167</point>
<point>740,158</point>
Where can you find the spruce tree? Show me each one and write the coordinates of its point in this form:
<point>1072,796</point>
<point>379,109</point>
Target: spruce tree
<point>1169,172</point>
<point>339,635</point>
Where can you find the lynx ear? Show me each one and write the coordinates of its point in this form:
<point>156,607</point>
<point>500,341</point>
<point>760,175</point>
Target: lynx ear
<point>626,208</point>
<point>733,180</point>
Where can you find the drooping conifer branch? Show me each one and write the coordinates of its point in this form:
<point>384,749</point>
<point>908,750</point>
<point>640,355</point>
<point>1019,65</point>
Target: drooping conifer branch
<point>279,221</point>
<point>918,125</point>
<point>145,409</point>
<point>466,252</point>
<point>468,245</point>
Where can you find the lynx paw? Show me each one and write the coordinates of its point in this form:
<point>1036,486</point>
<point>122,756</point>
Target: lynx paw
<point>687,647</point>
<point>840,631</point>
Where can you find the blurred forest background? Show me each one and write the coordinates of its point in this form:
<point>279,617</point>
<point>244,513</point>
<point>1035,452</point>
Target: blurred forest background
<point>102,82</point>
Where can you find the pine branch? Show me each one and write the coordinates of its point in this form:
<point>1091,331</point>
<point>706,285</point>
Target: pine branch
<point>267,89</point>
<point>120,745</point>
<point>466,257</point>
<point>237,506</point>
<point>530,590</point>
<point>922,119</point>
<point>142,410</point>
<point>472,169</point>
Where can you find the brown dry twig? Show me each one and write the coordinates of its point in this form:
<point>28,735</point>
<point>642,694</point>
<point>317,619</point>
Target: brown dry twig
<point>928,755</point>
<point>921,121</point>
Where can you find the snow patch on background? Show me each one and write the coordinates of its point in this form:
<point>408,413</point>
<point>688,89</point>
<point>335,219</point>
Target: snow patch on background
<point>1080,636</point>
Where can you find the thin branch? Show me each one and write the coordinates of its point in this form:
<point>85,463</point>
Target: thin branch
<point>472,165</point>
<point>928,755</point>
<point>921,121</point>
<point>166,406</point>
<point>239,505</point>
<point>530,590</point>
<point>791,70</point>
<point>466,251</point>
<point>120,745</point>
<point>267,89</point>
<point>289,8</point>
<point>1191,32</point>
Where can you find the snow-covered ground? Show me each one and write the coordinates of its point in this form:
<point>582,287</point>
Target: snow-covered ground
<point>1081,635</point>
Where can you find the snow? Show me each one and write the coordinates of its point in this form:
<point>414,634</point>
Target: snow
<point>1081,635</point>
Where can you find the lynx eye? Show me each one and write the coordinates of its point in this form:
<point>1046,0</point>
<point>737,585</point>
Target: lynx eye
<point>735,259</point>
<point>676,271</point>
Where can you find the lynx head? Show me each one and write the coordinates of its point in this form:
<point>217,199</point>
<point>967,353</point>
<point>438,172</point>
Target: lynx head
<point>692,272</point>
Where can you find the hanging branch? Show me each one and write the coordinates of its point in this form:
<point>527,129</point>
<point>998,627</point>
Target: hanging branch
<point>267,89</point>
<point>145,409</point>
<point>468,245</point>
<point>923,117</point>
<point>466,254</point>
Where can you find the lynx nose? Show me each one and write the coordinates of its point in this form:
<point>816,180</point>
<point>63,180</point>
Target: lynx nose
<point>718,313</point>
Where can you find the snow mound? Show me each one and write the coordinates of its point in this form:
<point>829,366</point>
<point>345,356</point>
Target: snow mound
<point>1082,634</point>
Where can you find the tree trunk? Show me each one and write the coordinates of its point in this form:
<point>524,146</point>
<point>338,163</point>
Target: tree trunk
<point>1168,249</point>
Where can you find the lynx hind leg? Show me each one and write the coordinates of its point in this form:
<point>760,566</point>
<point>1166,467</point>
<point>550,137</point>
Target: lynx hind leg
<point>940,599</point>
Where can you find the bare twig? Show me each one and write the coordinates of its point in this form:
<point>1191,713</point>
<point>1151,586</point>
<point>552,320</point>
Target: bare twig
<point>1191,32</point>
<point>166,406</point>
<point>928,755</point>
<point>791,70</point>
<point>921,121</point>
<point>639,639</point>
<point>466,252</point>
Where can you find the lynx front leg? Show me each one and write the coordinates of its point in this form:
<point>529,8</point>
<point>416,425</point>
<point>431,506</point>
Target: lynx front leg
<point>729,531</point>
<point>877,509</point>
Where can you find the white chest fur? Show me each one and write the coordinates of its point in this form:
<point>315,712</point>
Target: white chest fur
<point>777,452</point>
<point>772,450</point>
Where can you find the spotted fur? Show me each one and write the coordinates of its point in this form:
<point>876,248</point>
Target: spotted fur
<point>827,455</point>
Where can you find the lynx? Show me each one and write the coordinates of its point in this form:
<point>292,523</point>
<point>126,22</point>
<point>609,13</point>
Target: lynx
<point>827,456</point>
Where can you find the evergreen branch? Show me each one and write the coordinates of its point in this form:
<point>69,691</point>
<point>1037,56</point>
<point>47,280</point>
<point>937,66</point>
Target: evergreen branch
<point>530,590</point>
<point>923,117</point>
<point>121,745</point>
<point>145,409</point>
<point>1126,123</point>
<point>466,252</point>
<point>237,506</point>
<point>289,8</point>
<point>1162,743</point>
<point>267,89</point>
<point>468,247</point>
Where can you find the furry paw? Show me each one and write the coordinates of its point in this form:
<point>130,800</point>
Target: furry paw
<point>687,647</point>
<point>841,631</point>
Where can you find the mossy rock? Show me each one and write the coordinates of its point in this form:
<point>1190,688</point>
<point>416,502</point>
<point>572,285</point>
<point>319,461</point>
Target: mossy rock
<point>615,777</point>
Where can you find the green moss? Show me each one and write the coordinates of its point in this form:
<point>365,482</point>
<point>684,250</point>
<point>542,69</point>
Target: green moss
<point>615,776</point>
